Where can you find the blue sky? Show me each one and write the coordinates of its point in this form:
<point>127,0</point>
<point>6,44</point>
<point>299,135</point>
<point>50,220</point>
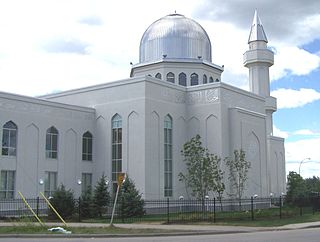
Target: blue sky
<point>55,45</point>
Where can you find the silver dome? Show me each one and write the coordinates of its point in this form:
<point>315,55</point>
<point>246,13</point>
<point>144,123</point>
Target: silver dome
<point>175,36</point>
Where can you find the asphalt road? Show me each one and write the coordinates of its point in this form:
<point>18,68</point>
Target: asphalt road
<point>300,235</point>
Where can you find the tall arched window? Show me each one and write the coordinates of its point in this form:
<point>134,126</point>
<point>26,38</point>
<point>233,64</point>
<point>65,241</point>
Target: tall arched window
<point>168,156</point>
<point>182,79</point>
<point>116,124</point>
<point>170,77</point>
<point>211,79</point>
<point>87,146</point>
<point>52,143</point>
<point>194,79</point>
<point>158,75</point>
<point>9,139</point>
<point>205,79</point>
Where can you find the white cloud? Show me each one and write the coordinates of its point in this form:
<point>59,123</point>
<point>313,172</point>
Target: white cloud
<point>293,60</point>
<point>279,133</point>
<point>306,132</point>
<point>289,98</point>
<point>300,150</point>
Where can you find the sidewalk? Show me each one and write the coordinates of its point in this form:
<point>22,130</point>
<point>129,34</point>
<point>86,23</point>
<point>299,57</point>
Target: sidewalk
<point>180,229</point>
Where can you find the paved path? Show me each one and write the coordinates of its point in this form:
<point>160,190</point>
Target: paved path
<point>190,228</point>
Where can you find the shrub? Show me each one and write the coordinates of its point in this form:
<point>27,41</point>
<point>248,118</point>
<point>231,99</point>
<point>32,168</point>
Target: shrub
<point>63,201</point>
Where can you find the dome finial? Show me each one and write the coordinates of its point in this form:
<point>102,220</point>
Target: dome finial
<point>257,33</point>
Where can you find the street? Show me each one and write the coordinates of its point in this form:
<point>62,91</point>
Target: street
<point>305,235</point>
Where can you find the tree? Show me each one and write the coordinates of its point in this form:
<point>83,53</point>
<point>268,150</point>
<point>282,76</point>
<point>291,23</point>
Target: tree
<point>238,175</point>
<point>313,185</point>
<point>130,201</point>
<point>203,173</point>
<point>63,201</point>
<point>86,203</point>
<point>101,197</point>
<point>297,188</point>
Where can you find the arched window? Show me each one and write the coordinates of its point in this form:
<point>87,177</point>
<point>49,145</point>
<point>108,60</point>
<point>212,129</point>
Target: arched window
<point>170,77</point>
<point>205,79</point>
<point>116,125</point>
<point>182,79</point>
<point>211,79</point>
<point>217,80</point>
<point>52,143</point>
<point>168,156</point>
<point>158,75</point>
<point>194,79</point>
<point>87,146</point>
<point>9,139</point>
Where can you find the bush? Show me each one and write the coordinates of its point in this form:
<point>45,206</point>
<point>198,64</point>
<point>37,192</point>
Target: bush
<point>63,201</point>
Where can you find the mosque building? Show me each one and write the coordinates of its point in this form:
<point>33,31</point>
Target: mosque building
<point>139,125</point>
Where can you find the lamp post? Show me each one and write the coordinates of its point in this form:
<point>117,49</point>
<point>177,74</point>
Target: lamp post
<point>79,182</point>
<point>302,162</point>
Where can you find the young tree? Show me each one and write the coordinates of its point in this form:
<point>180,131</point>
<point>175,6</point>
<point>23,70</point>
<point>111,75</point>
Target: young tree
<point>130,201</point>
<point>101,197</point>
<point>63,201</point>
<point>238,167</point>
<point>86,204</point>
<point>203,173</point>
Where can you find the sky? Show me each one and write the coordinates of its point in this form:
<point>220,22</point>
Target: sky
<point>48,46</point>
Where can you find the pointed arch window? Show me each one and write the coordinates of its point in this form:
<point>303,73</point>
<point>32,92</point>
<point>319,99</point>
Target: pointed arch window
<point>52,143</point>
<point>210,79</point>
<point>194,79</point>
<point>158,75</point>
<point>168,156</point>
<point>9,139</point>
<point>116,124</point>
<point>205,79</point>
<point>170,77</point>
<point>182,79</point>
<point>87,146</point>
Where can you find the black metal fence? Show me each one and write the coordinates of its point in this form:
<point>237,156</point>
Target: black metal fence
<point>184,211</point>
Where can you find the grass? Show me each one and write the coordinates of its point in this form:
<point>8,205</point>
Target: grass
<point>35,229</point>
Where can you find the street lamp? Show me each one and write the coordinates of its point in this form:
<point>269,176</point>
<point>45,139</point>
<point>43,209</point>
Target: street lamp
<point>302,162</point>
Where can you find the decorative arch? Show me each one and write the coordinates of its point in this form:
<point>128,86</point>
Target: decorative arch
<point>170,77</point>
<point>168,169</point>
<point>52,135</point>
<point>116,149</point>
<point>253,155</point>
<point>194,79</point>
<point>158,76</point>
<point>204,79</point>
<point>182,79</point>
<point>87,140</point>
<point>9,139</point>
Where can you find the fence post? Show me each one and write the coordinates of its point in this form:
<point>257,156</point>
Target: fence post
<point>79,205</point>
<point>214,209</point>
<point>167,210</point>
<point>252,213</point>
<point>280,202</point>
<point>38,206</point>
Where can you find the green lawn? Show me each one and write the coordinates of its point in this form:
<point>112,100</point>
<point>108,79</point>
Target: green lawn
<point>34,229</point>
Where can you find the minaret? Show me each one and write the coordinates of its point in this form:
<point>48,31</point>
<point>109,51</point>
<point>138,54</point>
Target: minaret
<point>258,59</point>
